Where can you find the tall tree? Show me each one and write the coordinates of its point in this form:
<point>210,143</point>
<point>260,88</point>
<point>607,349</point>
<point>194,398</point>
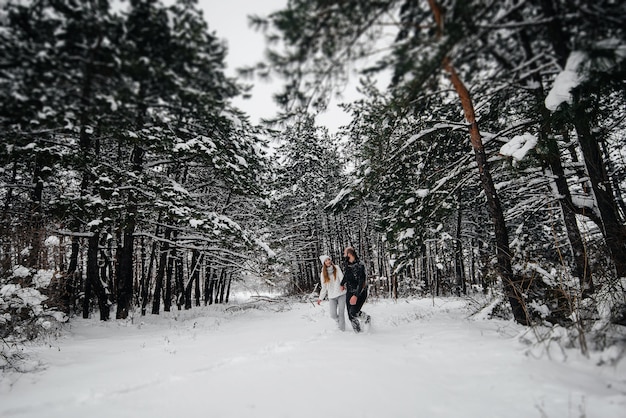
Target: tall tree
<point>332,32</point>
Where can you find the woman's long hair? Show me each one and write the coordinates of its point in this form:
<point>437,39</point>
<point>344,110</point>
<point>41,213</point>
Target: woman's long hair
<point>325,273</point>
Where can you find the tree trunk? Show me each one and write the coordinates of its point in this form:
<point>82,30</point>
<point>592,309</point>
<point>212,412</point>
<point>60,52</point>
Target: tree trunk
<point>94,281</point>
<point>36,218</point>
<point>145,283</point>
<point>7,227</point>
<point>208,297</point>
<point>125,272</point>
<point>68,284</point>
<point>103,289</point>
<point>230,279</point>
<point>190,284</point>
<point>158,285</point>
<point>168,279</point>
<point>218,285</point>
<point>552,159</point>
<point>92,273</point>
<point>617,192</point>
<point>458,259</point>
<point>180,282</point>
<point>512,285</point>
<point>223,286</point>
<point>194,282</point>
<point>614,230</point>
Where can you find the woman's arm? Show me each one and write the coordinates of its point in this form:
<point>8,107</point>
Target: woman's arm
<point>323,289</point>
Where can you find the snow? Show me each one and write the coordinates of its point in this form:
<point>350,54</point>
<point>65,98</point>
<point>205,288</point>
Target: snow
<point>423,357</point>
<point>95,222</point>
<point>21,271</point>
<point>241,161</point>
<point>342,193</point>
<point>567,80</point>
<point>14,295</point>
<point>407,233</point>
<point>52,241</point>
<point>195,223</point>
<point>42,279</point>
<point>270,253</point>
<point>519,146</point>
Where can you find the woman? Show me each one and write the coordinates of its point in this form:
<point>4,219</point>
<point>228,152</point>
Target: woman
<point>330,278</point>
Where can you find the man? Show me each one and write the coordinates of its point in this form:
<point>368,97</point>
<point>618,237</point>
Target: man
<point>355,282</point>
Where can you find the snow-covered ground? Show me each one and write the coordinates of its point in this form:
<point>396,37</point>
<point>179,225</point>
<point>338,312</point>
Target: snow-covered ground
<point>422,358</point>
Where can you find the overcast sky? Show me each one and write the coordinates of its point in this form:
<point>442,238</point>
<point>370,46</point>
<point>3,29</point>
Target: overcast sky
<point>229,19</point>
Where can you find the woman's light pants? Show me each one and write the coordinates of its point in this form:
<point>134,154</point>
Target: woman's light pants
<point>337,308</point>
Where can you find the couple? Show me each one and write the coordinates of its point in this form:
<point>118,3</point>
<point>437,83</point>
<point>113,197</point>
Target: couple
<point>352,284</point>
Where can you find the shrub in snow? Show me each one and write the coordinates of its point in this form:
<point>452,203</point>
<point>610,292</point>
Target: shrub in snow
<point>23,313</point>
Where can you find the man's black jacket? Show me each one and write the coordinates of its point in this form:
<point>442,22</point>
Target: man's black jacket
<point>354,277</point>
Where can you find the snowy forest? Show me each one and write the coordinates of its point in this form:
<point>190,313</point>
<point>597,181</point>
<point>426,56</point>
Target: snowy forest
<point>485,155</point>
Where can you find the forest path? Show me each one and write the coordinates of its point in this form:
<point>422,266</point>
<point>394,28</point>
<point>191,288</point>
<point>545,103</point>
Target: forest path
<point>423,358</point>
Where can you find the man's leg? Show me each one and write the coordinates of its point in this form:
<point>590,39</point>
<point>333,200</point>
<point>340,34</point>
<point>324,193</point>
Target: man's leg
<point>360,301</point>
<point>361,317</point>
<point>353,312</point>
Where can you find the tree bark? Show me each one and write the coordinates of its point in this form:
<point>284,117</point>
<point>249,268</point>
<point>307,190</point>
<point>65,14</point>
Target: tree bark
<point>194,282</point>
<point>613,229</point>
<point>208,297</point>
<point>145,283</point>
<point>458,259</point>
<point>168,279</point>
<point>230,280</point>
<point>94,281</point>
<point>36,218</point>
<point>512,285</point>
<point>92,259</point>
<point>158,285</point>
<point>180,282</point>
<point>125,272</point>
<point>552,159</point>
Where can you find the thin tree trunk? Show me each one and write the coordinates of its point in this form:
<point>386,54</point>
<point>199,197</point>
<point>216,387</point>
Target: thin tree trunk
<point>145,283</point>
<point>614,230</point>
<point>92,272</point>
<point>211,287</point>
<point>458,259</point>
<point>104,290</point>
<point>197,289</point>
<point>180,282</point>
<point>512,285</point>
<point>7,245</point>
<point>94,281</point>
<point>158,285</point>
<point>193,279</point>
<point>67,285</point>
<point>230,279</point>
<point>207,282</point>
<point>125,275</point>
<point>552,159</point>
<point>36,218</point>
<point>167,303</point>
<point>223,286</point>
